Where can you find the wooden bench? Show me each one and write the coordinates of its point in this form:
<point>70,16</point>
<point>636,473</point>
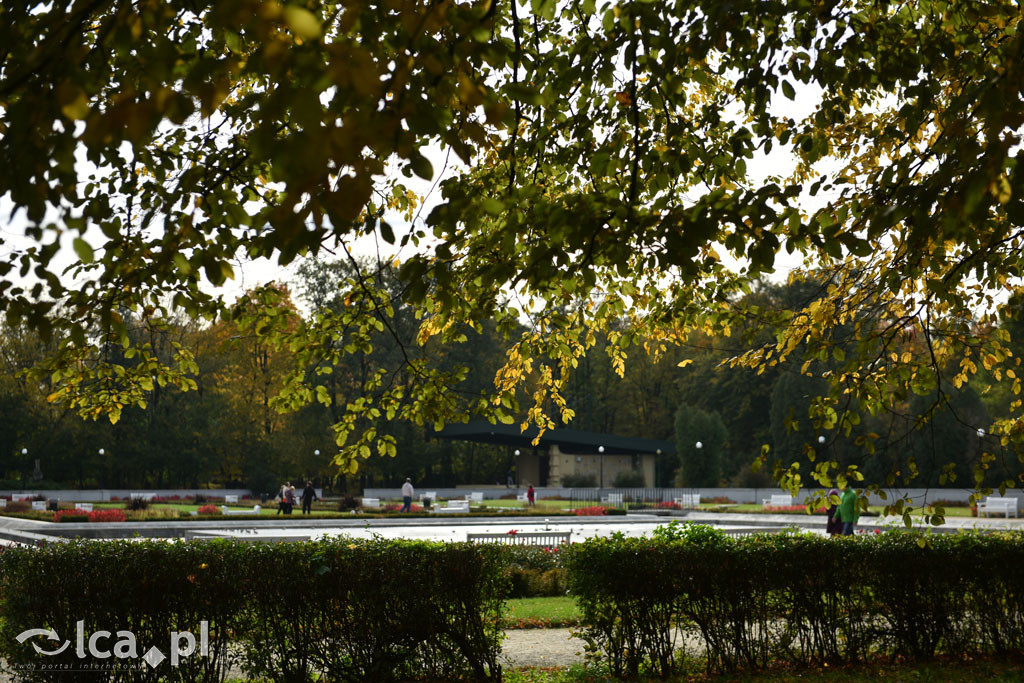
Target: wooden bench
<point>687,500</point>
<point>547,539</point>
<point>995,504</point>
<point>452,507</point>
<point>778,501</point>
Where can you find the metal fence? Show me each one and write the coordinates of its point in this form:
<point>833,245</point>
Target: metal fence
<point>634,499</point>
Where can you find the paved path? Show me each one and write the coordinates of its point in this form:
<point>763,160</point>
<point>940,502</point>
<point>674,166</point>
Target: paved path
<point>542,647</point>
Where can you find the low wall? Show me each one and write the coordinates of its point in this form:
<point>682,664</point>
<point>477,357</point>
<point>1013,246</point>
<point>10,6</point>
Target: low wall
<point>105,495</point>
<point>738,495</point>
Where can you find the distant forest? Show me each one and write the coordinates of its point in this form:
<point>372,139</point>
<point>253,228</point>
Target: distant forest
<point>229,432</point>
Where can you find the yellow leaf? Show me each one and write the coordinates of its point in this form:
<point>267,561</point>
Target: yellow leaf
<point>302,22</point>
<point>685,363</point>
<point>78,108</point>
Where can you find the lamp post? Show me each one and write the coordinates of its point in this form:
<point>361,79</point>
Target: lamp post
<point>24,457</point>
<point>517,468</point>
<point>600,460</point>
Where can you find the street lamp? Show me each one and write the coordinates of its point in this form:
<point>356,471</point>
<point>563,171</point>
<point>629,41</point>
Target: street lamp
<point>821,439</point>
<point>699,445</point>
<point>24,456</point>
<point>317,452</point>
<point>600,461</point>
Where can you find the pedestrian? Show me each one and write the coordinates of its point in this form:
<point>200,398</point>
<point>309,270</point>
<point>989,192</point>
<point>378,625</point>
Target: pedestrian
<point>407,494</point>
<point>289,498</point>
<point>280,498</point>
<point>849,510</point>
<point>834,525</point>
<point>509,479</point>
<point>530,495</point>
<point>308,496</point>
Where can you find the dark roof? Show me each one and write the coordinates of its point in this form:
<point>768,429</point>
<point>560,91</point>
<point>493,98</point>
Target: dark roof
<point>568,440</point>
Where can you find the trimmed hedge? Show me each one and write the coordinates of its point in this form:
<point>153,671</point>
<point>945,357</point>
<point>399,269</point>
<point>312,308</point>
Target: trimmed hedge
<point>806,600</point>
<point>328,610</point>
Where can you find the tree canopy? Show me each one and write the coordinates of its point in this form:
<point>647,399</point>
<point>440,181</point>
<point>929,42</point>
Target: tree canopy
<point>628,168</point>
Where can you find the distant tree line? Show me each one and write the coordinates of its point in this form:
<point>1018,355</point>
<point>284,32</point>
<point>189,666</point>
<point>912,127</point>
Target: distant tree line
<point>230,430</point>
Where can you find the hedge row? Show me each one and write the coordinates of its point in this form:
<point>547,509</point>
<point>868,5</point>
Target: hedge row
<point>806,600</point>
<point>331,610</point>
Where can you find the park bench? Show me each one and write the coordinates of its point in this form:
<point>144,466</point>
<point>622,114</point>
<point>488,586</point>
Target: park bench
<point>522,498</point>
<point>230,498</point>
<point>452,507</point>
<point>84,507</point>
<point>21,496</point>
<point>994,504</point>
<point>228,511</point>
<point>687,500</point>
<point>475,497</point>
<point>778,501</point>
<point>429,495</point>
<point>371,502</point>
<point>39,505</point>
<point>141,496</point>
<point>612,499</point>
<point>547,539</point>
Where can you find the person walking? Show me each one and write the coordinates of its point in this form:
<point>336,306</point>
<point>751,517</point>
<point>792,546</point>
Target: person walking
<point>834,526</point>
<point>280,498</point>
<point>308,496</point>
<point>289,498</point>
<point>530,496</point>
<point>407,494</point>
<point>849,510</point>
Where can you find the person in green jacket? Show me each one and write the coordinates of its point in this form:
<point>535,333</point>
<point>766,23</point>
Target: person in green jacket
<point>849,510</point>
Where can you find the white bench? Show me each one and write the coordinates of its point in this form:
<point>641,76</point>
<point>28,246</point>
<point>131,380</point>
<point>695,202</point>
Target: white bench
<point>612,499</point>
<point>687,500</point>
<point>429,495</point>
<point>522,498</point>
<point>39,505</point>
<point>371,502</point>
<point>994,504</point>
<point>475,497</point>
<point>21,496</point>
<point>84,507</point>
<point>3,502</point>
<point>230,498</point>
<point>228,511</point>
<point>141,496</point>
<point>778,501</point>
<point>542,538</point>
<point>452,507</point>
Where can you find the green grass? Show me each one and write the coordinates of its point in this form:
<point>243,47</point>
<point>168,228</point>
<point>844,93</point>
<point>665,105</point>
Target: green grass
<point>541,612</point>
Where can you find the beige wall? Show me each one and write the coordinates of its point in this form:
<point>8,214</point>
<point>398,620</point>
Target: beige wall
<point>529,469</point>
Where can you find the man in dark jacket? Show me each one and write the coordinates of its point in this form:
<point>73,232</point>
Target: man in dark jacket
<point>308,496</point>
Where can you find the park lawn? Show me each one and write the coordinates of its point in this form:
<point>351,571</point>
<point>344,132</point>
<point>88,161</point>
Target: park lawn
<point>540,506</point>
<point>753,508</point>
<point>541,612</point>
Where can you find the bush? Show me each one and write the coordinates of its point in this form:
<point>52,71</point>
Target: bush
<point>534,571</point>
<point>578,481</point>
<point>138,504</point>
<point>628,480</point>
<point>592,510</point>
<point>327,610</point>
<point>110,515</point>
<point>70,516</point>
<point>209,510</point>
<point>18,506</point>
<point>347,503</point>
<point>802,599</point>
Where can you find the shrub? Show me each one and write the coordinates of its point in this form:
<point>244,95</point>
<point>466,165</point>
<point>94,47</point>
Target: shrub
<point>338,610</point>
<point>209,510</point>
<point>628,480</point>
<point>579,481</point>
<point>797,597</point>
<point>138,504</point>
<point>200,499</point>
<point>592,510</point>
<point>347,503</point>
<point>109,515</point>
<point>18,506</point>
<point>70,516</point>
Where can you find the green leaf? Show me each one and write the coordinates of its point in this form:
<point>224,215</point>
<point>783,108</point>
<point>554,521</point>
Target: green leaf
<point>83,250</point>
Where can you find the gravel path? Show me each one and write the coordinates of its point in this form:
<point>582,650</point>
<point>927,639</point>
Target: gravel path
<point>541,647</point>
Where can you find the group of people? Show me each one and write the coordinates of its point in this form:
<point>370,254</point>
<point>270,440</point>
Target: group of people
<point>842,516</point>
<point>286,498</point>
